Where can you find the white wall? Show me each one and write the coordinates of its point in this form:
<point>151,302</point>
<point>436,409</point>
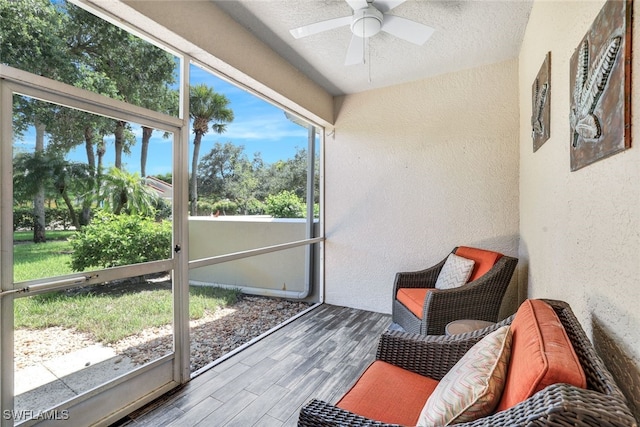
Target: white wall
<point>414,170</point>
<point>580,238</point>
<point>282,271</point>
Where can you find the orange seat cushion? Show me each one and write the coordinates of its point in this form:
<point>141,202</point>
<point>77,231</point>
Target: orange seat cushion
<point>484,260</point>
<point>541,354</point>
<point>389,394</point>
<point>413,299</point>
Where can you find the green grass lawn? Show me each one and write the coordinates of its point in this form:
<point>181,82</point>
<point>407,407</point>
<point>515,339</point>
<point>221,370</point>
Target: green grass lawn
<point>106,313</point>
<point>36,261</point>
<point>27,236</point>
<point>109,317</point>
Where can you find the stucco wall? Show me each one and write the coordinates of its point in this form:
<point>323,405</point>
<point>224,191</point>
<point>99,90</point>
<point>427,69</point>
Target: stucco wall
<point>580,239</point>
<point>282,271</point>
<point>414,170</point>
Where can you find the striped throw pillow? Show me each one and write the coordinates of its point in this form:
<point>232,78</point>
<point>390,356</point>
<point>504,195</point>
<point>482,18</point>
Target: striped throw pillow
<point>455,272</point>
<point>473,387</point>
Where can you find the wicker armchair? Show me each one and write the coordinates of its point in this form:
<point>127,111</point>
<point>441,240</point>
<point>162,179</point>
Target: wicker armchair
<point>479,299</point>
<point>560,405</point>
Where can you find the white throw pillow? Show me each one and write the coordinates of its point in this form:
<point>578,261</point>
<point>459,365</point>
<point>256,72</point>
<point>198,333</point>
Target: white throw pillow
<point>455,272</point>
<point>473,387</point>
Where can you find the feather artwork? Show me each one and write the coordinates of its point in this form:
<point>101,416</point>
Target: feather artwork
<point>541,104</point>
<point>539,101</point>
<point>589,85</point>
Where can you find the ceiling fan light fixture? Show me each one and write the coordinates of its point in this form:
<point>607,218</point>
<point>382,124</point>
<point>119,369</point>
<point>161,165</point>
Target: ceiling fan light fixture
<point>366,22</point>
<point>369,17</point>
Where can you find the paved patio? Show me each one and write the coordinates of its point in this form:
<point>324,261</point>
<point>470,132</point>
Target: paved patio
<point>41,386</point>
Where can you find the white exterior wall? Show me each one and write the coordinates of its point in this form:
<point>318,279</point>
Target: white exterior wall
<point>282,271</point>
<point>415,170</point>
<point>580,239</point>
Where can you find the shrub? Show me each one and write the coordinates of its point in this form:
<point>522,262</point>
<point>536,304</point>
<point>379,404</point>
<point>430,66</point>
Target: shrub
<point>22,218</point>
<point>254,207</point>
<point>57,217</point>
<point>54,217</point>
<point>114,240</point>
<point>285,205</point>
<point>225,207</point>
<point>205,208</point>
<point>162,209</point>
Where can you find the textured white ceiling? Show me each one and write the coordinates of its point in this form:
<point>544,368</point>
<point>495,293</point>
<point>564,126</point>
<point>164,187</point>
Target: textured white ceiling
<point>468,33</point>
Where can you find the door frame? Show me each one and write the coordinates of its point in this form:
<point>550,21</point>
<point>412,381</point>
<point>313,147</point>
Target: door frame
<point>123,394</point>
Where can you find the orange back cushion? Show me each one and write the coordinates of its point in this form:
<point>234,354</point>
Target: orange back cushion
<point>484,260</point>
<point>541,354</point>
<point>389,394</point>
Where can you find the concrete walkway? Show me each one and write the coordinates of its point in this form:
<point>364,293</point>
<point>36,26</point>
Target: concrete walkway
<point>49,383</point>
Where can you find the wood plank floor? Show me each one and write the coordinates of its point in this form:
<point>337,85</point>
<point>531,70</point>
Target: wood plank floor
<point>319,355</point>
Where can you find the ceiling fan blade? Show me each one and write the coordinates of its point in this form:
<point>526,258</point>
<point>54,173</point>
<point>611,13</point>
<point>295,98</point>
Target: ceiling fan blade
<point>355,52</point>
<point>357,4</point>
<point>407,29</point>
<point>319,27</point>
<point>385,6</point>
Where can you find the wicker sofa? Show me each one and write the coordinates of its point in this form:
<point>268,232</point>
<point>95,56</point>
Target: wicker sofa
<point>601,403</point>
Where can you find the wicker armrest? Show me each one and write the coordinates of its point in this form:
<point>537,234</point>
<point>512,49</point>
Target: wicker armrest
<point>562,405</point>
<point>431,356</point>
<point>418,279</point>
<point>322,414</point>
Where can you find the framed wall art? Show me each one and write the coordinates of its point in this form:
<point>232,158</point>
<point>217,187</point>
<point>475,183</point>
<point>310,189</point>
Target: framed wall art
<point>541,104</point>
<point>600,76</point>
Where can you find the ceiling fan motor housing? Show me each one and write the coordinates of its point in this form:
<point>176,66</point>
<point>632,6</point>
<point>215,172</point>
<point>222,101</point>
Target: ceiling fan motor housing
<point>366,22</point>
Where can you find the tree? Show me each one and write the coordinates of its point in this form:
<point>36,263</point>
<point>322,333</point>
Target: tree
<point>226,173</point>
<point>291,175</point>
<point>168,104</point>
<point>32,39</point>
<point>70,128</point>
<point>244,188</point>
<point>47,170</point>
<point>64,42</point>
<point>205,107</point>
<point>140,71</point>
<point>126,192</point>
<point>219,168</point>
<point>74,176</point>
<point>166,177</point>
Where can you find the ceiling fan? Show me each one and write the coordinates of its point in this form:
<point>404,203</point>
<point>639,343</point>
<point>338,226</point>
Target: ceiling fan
<point>368,19</point>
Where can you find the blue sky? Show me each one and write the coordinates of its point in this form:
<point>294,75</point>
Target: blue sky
<point>258,126</point>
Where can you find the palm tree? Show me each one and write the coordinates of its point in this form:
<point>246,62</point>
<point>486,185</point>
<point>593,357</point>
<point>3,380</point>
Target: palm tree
<point>36,172</point>
<point>123,191</point>
<point>166,102</point>
<point>205,107</point>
